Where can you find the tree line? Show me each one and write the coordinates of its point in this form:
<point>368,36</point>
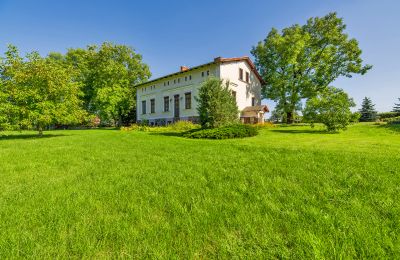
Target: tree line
<point>71,88</point>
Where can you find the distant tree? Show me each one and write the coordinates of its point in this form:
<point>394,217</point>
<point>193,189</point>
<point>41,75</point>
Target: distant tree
<point>367,111</point>
<point>37,92</point>
<point>302,61</point>
<point>330,107</point>
<point>109,73</point>
<point>396,107</point>
<point>216,105</point>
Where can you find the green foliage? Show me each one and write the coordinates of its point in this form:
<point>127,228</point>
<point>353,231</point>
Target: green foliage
<point>37,92</point>
<point>176,127</point>
<point>182,125</point>
<point>216,106</point>
<point>224,132</point>
<point>367,111</point>
<point>302,61</point>
<point>396,107</point>
<point>385,115</point>
<point>109,73</point>
<point>392,120</point>
<point>332,108</point>
<point>288,193</point>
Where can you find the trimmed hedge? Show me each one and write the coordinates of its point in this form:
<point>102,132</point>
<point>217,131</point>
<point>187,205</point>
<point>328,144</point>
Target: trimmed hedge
<point>385,115</point>
<point>225,132</point>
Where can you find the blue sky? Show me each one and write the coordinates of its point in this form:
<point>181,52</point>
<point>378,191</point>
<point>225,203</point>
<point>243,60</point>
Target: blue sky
<point>173,33</point>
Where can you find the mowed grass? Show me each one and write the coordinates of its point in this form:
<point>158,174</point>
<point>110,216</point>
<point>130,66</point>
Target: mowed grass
<point>291,192</point>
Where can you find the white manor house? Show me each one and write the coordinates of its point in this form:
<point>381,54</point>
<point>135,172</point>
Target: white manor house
<point>172,98</point>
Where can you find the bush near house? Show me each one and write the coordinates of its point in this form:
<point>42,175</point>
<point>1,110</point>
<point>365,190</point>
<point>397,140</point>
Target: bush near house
<point>225,132</point>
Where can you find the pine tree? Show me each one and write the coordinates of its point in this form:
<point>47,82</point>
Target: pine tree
<point>367,111</point>
<point>396,107</point>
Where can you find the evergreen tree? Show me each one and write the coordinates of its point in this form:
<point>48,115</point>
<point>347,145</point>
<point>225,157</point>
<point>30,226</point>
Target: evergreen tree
<point>396,107</point>
<point>367,111</point>
<point>216,105</point>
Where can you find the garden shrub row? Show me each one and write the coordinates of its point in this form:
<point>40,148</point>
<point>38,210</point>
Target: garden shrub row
<point>225,132</point>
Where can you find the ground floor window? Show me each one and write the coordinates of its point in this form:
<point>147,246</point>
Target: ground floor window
<point>144,107</point>
<point>152,105</point>
<point>188,100</point>
<point>166,104</point>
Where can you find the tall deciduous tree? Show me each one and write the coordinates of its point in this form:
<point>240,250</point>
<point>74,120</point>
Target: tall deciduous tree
<point>37,92</point>
<point>367,111</point>
<point>216,105</point>
<point>330,107</point>
<point>109,74</point>
<point>302,61</point>
<point>396,107</point>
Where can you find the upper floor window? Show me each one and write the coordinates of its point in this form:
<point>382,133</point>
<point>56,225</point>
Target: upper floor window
<point>247,77</point>
<point>188,100</point>
<point>174,81</point>
<point>164,84</point>
<point>240,73</point>
<point>168,83</point>
<point>208,73</point>
<point>253,101</point>
<point>144,107</point>
<point>202,73</point>
<point>190,77</point>
<point>185,78</point>
<point>166,104</point>
<point>179,80</point>
<point>152,105</point>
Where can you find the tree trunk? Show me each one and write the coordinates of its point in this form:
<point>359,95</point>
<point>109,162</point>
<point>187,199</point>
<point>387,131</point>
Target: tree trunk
<point>40,129</point>
<point>289,117</point>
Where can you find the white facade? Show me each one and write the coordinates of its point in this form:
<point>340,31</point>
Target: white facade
<point>171,98</point>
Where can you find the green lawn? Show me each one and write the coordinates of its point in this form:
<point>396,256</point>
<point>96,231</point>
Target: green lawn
<point>291,192</point>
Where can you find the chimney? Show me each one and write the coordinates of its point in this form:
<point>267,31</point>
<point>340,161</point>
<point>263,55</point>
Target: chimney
<point>184,68</point>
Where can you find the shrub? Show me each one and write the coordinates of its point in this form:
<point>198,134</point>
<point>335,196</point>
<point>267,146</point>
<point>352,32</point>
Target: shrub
<point>331,107</point>
<point>392,120</point>
<point>136,127</point>
<point>385,115</point>
<point>225,132</point>
<point>183,126</point>
<point>216,105</point>
<point>265,125</point>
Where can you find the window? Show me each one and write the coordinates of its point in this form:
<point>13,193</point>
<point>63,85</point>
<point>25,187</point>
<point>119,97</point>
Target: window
<point>152,105</point>
<point>179,80</point>
<point>234,94</point>
<point>190,77</point>
<point>164,84</point>
<point>208,73</point>
<point>253,101</point>
<point>168,83</point>
<point>185,78</point>
<point>174,81</point>
<point>202,73</point>
<point>240,74</point>
<point>144,107</point>
<point>188,100</point>
<point>166,104</point>
<point>247,77</point>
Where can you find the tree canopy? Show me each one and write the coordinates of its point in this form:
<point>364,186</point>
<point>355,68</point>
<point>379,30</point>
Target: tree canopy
<point>396,107</point>
<point>109,73</point>
<point>301,61</point>
<point>330,107</point>
<point>216,105</point>
<point>36,92</point>
<point>367,111</point>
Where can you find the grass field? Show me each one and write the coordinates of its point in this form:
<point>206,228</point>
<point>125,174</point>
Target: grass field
<point>291,192</point>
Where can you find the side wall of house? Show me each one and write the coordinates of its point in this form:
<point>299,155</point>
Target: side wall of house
<point>245,91</point>
<point>157,91</point>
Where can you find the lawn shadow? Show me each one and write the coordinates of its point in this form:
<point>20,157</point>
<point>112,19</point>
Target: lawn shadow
<point>303,131</point>
<point>28,136</point>
<point>392,127</point>
<point>177,134</point>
